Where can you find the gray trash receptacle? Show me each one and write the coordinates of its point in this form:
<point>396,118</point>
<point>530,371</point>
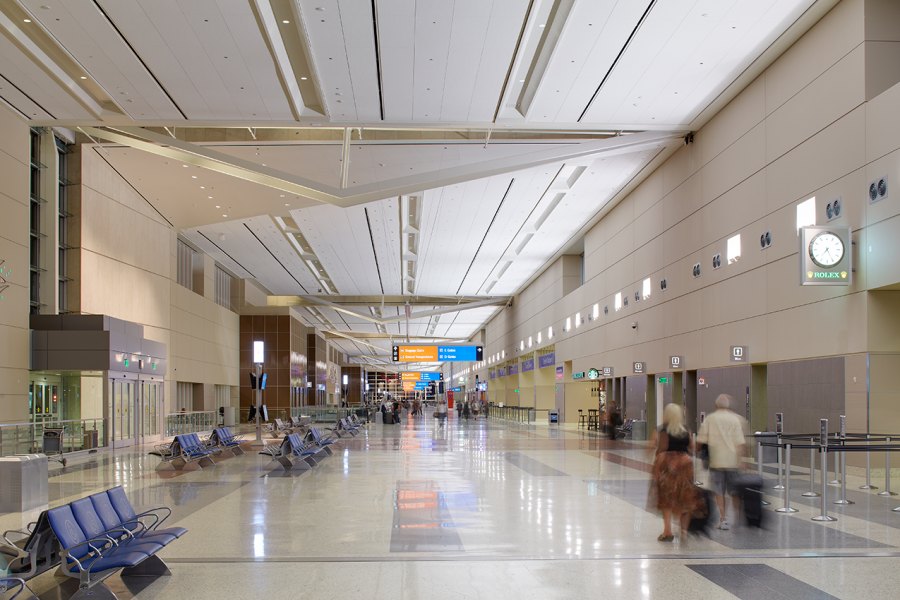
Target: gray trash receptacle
<point>639,431</point>
<point>24,478</point>
<point>553,416</point>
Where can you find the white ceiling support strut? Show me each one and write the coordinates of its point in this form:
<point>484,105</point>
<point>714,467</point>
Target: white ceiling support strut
<point>411,315</point>
<point>345,158</point>
<point>207,158</point>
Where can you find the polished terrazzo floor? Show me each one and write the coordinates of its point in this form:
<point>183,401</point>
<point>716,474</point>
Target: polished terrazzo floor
<point>477,509</point>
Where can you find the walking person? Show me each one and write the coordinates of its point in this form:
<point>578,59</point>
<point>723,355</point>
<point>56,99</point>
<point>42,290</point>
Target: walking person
<point>723,432</point>
<point>440,412</point>
<point>673,473</point>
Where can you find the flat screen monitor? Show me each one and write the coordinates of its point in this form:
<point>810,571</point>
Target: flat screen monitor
<point>264,411</point>
<point>252,381</point>
<point>263,380</point>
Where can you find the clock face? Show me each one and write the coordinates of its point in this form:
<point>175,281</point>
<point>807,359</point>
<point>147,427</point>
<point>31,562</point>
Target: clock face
<point>826,249</point>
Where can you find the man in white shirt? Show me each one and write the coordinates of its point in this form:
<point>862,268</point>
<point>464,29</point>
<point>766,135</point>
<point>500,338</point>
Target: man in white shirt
<point>723,432</point>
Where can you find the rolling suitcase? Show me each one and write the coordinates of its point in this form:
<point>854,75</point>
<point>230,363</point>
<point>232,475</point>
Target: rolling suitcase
<point>749,489</point>
<point>700,517</point>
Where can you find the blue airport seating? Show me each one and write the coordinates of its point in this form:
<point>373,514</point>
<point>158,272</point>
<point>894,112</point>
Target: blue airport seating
<point>29,552</point>
<point>293,452</point>
<point>92,550</point>
<point>8,584</point>
<point>315,436</point>
<point>191,449</point>
<point>223,438</point>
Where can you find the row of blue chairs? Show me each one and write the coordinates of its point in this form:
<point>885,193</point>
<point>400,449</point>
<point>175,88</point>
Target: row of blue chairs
<point>348,426</point>
<point>304,452</point>
<point>188,448</point>
<point>89,539</point>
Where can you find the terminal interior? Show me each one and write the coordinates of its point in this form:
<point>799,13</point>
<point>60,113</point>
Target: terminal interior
<point>386,299</point>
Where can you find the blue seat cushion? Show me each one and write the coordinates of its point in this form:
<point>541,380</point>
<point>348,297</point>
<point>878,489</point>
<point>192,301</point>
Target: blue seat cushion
<point>117,560</point>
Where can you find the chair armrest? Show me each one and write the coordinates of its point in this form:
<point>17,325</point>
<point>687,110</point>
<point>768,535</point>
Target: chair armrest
<point>24,533</point>
<point>152,512</point>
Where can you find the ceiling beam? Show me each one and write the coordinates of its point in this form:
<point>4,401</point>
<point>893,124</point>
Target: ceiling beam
<point>208,158</point>
<point>321,301</point>
<point>391,300</point>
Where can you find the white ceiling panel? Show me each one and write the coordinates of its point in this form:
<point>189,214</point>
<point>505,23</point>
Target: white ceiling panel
<point>33,83</point>
<point>340,239</point>
<point>19,101</point>
<point>82,29</point>
<point>210,56</point>
<point>342,40</point>
<point>384,219</point>
<point>433,25</point>
<point>685,54</point>
<point>396,42</point>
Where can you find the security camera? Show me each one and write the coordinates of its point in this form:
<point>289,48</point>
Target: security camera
<point>634,324</point>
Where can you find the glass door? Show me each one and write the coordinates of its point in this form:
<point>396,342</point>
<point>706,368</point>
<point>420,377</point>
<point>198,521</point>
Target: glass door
<point>122,396</point>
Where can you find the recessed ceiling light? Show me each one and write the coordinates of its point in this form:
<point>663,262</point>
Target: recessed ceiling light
<point>202,187</point>
<point>304,78</point>
<point>193,177</point>
<point>281,196</point>
<point>210,197</point>
<point>542,25</point>
<point>83,77</point>
<point>27,20</point>
<point>285,21</point>
<point>185,166</point>
<point>287,203</point>
<point>521,81</point>
<point>226,216</point>
<point>217,206</point>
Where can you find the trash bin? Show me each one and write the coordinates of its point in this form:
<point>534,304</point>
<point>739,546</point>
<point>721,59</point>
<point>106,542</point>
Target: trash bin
<point>24,478</point>
<point>553,416</point>
<point>91,439</point>
<point>639,431</point>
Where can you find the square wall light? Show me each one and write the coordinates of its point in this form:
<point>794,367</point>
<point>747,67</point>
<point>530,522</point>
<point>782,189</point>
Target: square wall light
<point>595,312</point>
<point>733,248</point>
<point>617,301</point>
<point>646,288</point>
<point>550,332</point>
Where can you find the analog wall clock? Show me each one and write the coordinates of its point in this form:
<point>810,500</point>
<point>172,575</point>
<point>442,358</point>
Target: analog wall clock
<point>826,249</point>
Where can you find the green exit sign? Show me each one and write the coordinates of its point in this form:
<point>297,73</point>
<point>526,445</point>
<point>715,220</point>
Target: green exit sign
<point>517,390</point>
<point>127,362</point>
<point>664,380</point>
<point>579,375</point>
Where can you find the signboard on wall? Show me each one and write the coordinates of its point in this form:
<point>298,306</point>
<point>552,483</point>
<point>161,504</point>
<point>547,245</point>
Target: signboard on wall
<point>740,354</point>
<point>528,365</point>
<point>676,362</point>
<point>546,360</point>
<point>513,369</point>
<point>607,371</point>
<point>578,375</point>
<point>639,368</point>
<point>825,255</point>
<point>560,373</point>
<point>591,374</point>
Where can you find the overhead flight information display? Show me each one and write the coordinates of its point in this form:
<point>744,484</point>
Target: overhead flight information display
<point>421,376</point>
<point>438,353</point>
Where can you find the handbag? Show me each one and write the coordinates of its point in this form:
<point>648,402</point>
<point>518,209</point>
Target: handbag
<point>703,453</point>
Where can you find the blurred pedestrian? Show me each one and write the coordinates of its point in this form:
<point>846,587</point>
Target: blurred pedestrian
<point>723,432</point>
<point>673,473</point>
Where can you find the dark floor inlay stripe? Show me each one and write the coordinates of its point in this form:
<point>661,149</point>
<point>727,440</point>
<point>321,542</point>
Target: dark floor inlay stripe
<point>759,582</point>
<point>532,466</point>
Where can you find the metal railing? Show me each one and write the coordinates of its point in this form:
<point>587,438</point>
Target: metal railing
<point>26,438</point>
<point>191,422</point>
<point>329,414</point>
<point>517,414</point>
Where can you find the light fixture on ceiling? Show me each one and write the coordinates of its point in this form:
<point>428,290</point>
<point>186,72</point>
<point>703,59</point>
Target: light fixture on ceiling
<point>26,20</point>
<point>185,166</point>
<point>304,78</point>
<point>83,77</point>
<point>285,21</point>
<point>226,216</point>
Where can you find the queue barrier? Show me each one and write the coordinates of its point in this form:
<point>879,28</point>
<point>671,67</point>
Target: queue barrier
<point>516,414</point>
<point>826,443</point>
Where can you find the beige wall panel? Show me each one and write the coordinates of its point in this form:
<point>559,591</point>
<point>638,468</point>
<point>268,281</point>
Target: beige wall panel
<point>683,314</point>
<point>734,298</point>
<point>98,176</point>
<point>15,348</point>
<point>884,397</point>
<point>884,321</point>
<point>826,157</point>
<point>15,139</point>
<point>882,68</point>
<point>682,164</point>
<point>681,241</point>
<point>14,223</point>
<point>716,342</point>
<point>649,225</point>
<point>734,164</point>
<point>688,345</point>
<point>14,184</point>
<point>648,193</point>
<point>119,290</point>
<point>831,327</point>
<point>881,251</point>
<point>885,209</point>
<point>647,258</point>
<point>783,290</point>
<point>882,20</point>
<point>741,115</point>
<point>834,36</point>
<point>683,201</point>
<point>733,210</point>
<point>882,124</point>
<point>833,94</point>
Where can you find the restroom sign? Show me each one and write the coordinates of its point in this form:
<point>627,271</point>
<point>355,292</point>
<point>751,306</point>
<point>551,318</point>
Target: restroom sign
<point>676,362</point>
<point>740,354</point>
<point>607,371</point>
<point>638,368</point>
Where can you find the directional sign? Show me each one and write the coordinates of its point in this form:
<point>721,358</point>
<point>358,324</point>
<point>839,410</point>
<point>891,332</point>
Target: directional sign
<point>740,354</point>
<point>437,353</point>
<point>639,368</point>
<point>421,376</point>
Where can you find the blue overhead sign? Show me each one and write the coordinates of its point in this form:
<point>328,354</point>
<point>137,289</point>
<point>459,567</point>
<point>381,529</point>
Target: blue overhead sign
<point>425,376</point>
<point>460,353</point>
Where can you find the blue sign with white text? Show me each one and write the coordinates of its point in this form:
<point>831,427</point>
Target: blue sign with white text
<point>546,360</point>
<point>460,353</point>
<point>425,376</point>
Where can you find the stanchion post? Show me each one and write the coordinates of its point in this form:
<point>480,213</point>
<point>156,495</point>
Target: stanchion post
<point>868,485</point>
<point>697,482</point>
<point>759,462</point>
<point>887,473</point>
<point>780,484</point>
<point>812,493</point>
<point>843,498</point>
<point>787,484</point>
<point>836,480</point>
<point>823,451</point>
